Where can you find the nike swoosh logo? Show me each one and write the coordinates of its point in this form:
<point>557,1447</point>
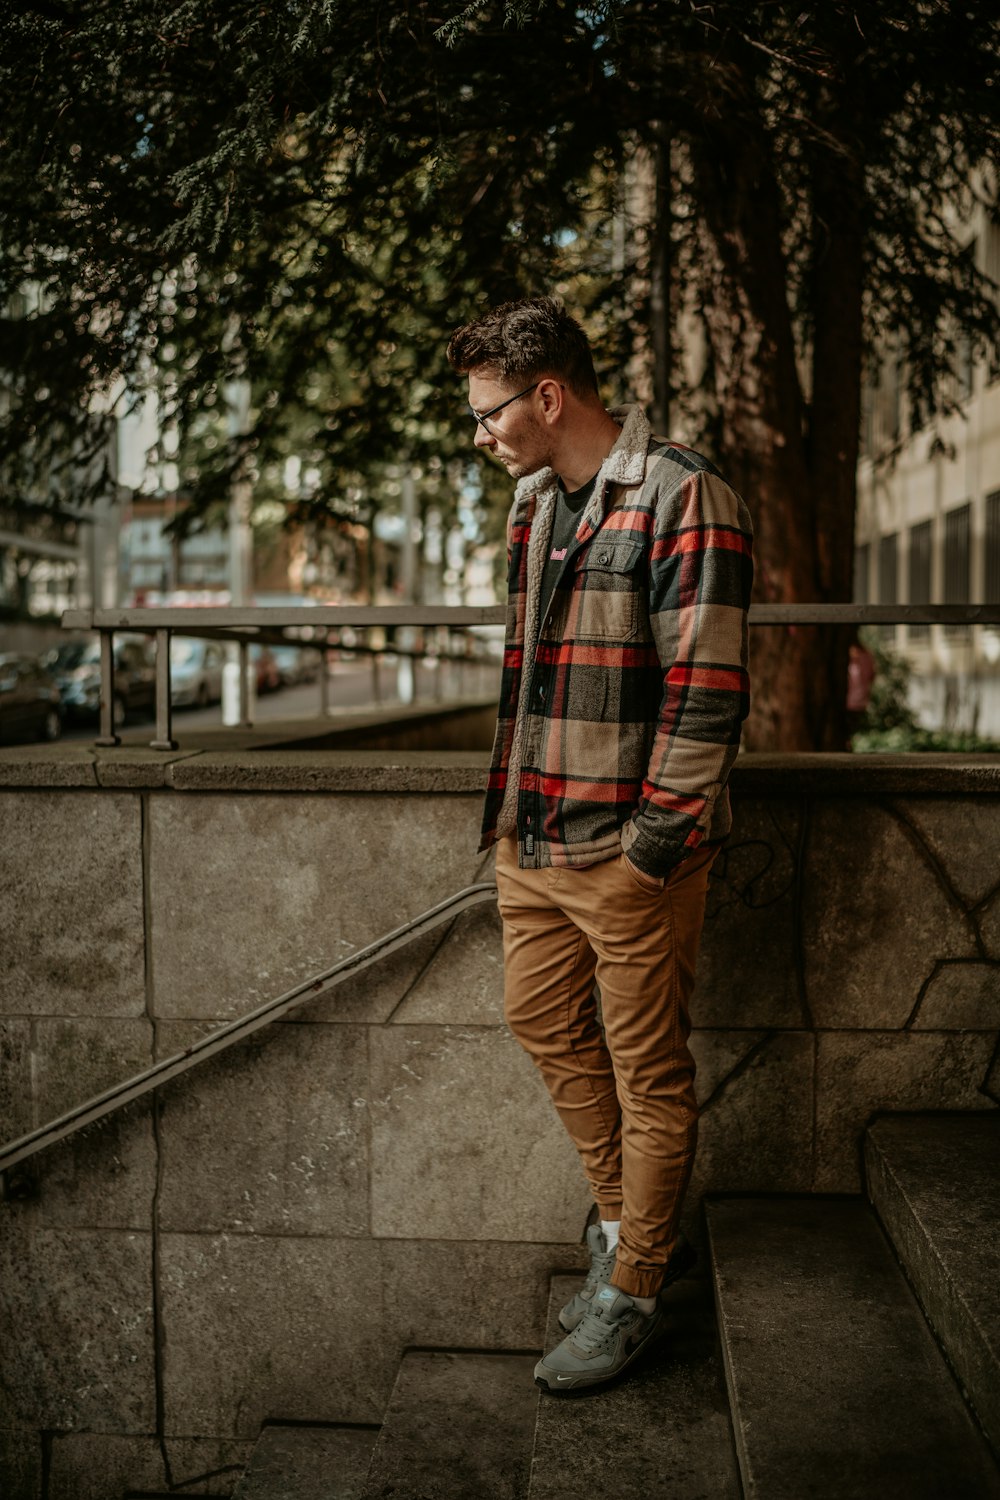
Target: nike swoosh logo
<point>564,1377</point>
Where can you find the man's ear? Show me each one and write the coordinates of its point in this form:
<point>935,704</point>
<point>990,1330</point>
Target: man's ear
<point>553,398</point>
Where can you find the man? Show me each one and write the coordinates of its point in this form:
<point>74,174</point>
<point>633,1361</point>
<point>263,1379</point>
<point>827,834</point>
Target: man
<point>624,688</point>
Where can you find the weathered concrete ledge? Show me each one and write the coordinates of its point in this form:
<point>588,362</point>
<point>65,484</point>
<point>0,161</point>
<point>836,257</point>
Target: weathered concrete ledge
<point>394,1137</point>
<point>241,767</point>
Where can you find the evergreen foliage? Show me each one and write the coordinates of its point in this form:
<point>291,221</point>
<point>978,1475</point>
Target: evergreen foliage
<point>310,196</point>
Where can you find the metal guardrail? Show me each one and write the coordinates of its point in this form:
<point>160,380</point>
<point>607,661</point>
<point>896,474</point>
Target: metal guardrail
<point>249,625</point>
<point>235,1031</point>
<point>246,627</point>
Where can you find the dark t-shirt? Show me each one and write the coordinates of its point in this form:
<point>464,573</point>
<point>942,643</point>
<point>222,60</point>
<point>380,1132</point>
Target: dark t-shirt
<point>564,524</point>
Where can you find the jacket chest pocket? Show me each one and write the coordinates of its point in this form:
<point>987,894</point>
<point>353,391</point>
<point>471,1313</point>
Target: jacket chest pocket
<point>605,604</point>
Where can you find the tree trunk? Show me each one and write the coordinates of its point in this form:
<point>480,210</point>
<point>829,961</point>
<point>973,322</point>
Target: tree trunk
<point>798,673</point>
<point>835,411</point>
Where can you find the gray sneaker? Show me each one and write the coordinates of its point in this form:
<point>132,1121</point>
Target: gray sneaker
<point>602,1263</point>
<point>605,1341</point>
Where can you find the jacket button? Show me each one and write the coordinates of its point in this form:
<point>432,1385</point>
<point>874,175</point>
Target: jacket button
<point>605,557</point>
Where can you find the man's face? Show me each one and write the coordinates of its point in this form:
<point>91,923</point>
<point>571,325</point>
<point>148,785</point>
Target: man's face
<point>517,436</point>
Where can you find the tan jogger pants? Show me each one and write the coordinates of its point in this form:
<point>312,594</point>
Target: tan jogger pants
<point>625,1094</point>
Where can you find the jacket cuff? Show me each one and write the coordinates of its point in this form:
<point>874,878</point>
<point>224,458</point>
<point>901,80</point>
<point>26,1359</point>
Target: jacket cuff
<point>648,856</point>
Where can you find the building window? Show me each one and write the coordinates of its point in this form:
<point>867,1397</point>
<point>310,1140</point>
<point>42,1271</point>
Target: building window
<point>956,561</point>
<point>862,563</point>
<point>919,578</point>
<point>888,576</point>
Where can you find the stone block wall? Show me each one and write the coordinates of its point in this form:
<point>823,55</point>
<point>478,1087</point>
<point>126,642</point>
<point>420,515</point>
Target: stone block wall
<point>383,1168</point>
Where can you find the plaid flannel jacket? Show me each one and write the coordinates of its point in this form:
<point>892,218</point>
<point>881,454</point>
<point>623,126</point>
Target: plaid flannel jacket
<point>620,712</point>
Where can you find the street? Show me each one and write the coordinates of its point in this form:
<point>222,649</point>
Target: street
<point>350,686</point>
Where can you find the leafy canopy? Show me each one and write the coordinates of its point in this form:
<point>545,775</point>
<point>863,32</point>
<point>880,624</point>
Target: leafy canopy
<point>310,196</point>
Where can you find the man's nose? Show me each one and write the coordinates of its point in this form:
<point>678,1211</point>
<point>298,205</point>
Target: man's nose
<point>483,439</point>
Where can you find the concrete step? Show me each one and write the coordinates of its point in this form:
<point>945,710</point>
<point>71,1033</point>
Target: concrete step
<point>308,1463</point>
<point>457,1426</point>
<point>838,1389</point>
<point>662,1433</point>
<point>935,1183</point>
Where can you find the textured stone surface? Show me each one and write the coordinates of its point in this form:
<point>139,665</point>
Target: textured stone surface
<point>74,1058</point>
<point>366,771</point>
<point>215,1464</point>
<point>963,833</point>
<point>272,1328</point>
<point>252,892</point>
<point>747,964</point>
<point>99,1466</point>
<point>717,1055</point>
<point>239,757</point>
<point>104,1176</point>
<point>378,993</point>
<point>860,1073</point>
<point>935,1181</point>
<point>250,896</point>
<point>838,1389</point>
<point>756,1134</point>
<point>17,1116</point>
<point>497,1294</point>
<point>464,1136</point>
<point>664,1430</point>
<point>20,1464</point>
<point>86,1298</point>
<point>102,1466</point>
<point>129,766</point>
<point>308,1463</point>
<point>71,928</point>
<point>457,1425</point>
<point>462,983</point>
<point>271,1136</point>
<point>875,919</point>
<point>844,774</point>
<point>961,997</point>
<point>989,926</point>
<point>47,766</point>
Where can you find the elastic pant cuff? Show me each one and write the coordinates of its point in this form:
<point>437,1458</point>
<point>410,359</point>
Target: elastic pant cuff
<point>637,1283</point>
<point>610,1212</point>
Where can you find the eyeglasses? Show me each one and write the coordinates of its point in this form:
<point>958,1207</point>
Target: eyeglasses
<point>482,418</point>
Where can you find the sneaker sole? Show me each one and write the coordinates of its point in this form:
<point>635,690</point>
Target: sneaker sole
<point>688,1258</point>
<point>568,1384</point>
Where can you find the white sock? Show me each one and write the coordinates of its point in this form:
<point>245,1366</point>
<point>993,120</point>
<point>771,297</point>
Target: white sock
<point>610,1228</point>
<point>646,1305</point>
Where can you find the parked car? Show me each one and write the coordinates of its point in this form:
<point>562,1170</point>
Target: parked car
<point>268,678</point>
<point>29,700</point>
<point>296,664</point>
<point>76,668</point>
<point>195,671</point>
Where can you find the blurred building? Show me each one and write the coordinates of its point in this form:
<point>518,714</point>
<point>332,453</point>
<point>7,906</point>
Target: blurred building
<point>928,523</point>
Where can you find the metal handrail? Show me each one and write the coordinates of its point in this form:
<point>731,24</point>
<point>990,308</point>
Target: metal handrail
<point>247,626</point>
<point>227,1036</point>
<point>182,618</point>
<point>244,624</point>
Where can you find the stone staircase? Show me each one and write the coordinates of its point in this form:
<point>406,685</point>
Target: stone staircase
<point>825,1347</point>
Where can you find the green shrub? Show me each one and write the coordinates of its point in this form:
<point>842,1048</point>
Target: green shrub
<point>906,738</point>
<point>888,708</point>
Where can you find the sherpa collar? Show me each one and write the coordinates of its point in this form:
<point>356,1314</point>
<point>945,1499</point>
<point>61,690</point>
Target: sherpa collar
<point>625,464</point>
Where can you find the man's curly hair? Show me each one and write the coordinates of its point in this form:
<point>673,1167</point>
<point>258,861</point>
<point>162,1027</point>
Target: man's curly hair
<point>519,342</point>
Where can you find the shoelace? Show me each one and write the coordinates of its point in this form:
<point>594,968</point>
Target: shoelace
<point>596,1329</point>
<point>601,1266</point>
